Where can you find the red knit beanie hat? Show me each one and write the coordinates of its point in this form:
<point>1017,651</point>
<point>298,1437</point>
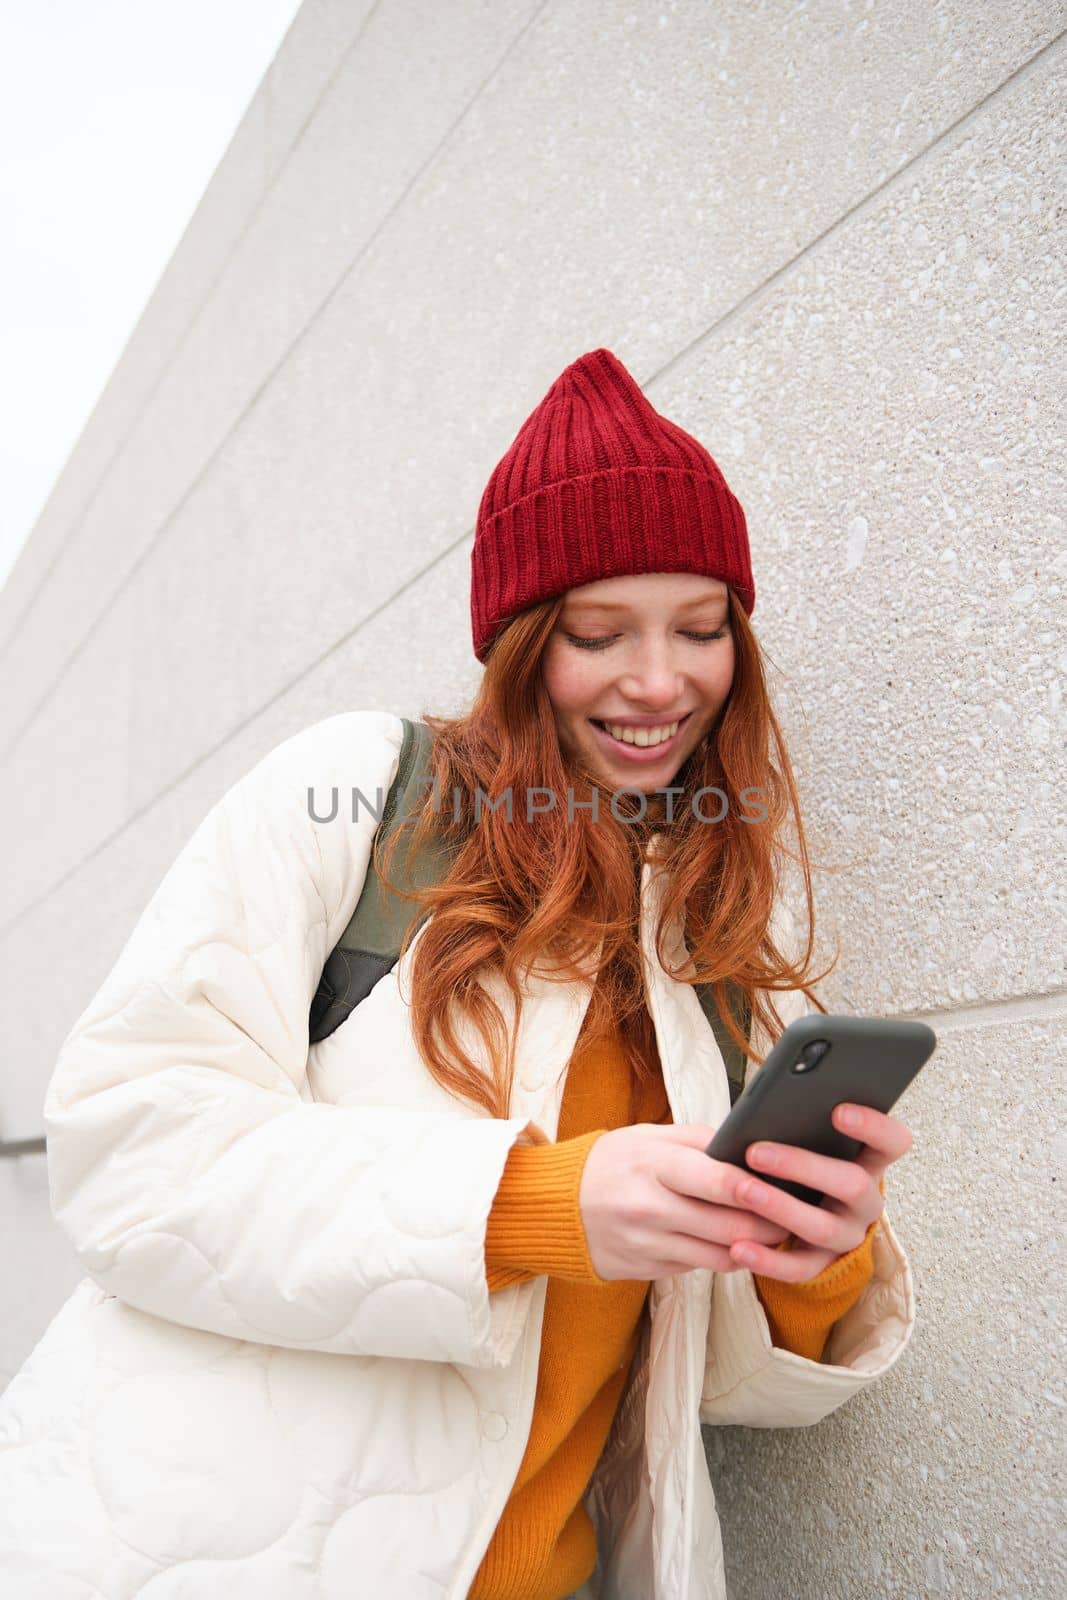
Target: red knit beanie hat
<point>597,485</point>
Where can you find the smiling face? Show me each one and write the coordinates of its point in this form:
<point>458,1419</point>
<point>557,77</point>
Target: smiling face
<point>643,651</point>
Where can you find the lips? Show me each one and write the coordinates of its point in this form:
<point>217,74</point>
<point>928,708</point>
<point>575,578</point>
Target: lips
<point>639,753</point>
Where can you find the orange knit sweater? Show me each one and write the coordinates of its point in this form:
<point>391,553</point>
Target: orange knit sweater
<point>544,1544</point>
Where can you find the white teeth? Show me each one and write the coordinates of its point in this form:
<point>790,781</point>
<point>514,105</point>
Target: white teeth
<point>642,736</point>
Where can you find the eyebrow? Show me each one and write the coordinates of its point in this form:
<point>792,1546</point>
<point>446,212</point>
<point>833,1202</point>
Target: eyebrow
<point>605,605</point>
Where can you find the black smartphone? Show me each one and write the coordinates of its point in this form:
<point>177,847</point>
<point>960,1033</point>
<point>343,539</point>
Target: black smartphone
<point>819,1061</point>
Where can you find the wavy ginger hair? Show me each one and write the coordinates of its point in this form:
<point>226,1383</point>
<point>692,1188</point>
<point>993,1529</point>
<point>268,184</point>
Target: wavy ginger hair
<point>516,890</point>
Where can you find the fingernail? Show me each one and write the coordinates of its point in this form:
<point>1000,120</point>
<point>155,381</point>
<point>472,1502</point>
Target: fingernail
<point>849,1118</point>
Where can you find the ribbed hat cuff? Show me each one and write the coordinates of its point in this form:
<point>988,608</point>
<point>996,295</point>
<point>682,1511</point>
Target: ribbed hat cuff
<point>568,534</point>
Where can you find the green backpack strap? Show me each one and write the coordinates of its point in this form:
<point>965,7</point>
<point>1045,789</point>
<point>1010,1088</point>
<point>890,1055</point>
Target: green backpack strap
<point>370,944</point>
<point>733,1057</point>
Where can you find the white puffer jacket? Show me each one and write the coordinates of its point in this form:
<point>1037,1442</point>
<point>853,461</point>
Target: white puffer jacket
<point>284,1377</point>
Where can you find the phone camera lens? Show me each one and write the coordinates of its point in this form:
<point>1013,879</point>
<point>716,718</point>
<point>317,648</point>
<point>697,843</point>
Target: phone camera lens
<point>811,1055</point>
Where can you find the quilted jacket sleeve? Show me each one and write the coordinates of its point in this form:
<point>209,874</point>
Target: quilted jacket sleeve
<point>189,1164</point>
<point>749,1380</point>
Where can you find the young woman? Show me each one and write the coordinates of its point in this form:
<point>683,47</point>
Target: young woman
<point>435,1308</point>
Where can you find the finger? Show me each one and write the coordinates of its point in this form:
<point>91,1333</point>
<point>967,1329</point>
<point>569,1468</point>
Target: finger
<point>846,1181</point>
<point>816,1225</point>
<point>687,1253</point>
<point>888,1138</point>
<point>789,1266</point>
<point>698,1176</point>
<point>719,1224</point>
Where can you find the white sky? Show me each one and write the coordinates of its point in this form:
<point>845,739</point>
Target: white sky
<point>113,116</point>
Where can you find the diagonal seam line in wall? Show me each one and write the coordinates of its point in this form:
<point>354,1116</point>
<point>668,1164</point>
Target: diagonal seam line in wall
<point>21,1147</point>
<point>270,179</point>
<point>742,305</point>
<point>208,461</point>
<point>901,175</point>
<point>946,139</point>
<point>1035,1007</point>
<point>735,311</point>
<point>232,733</point>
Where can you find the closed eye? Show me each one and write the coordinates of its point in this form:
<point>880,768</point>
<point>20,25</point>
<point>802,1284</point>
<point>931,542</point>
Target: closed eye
<point>601,644</point>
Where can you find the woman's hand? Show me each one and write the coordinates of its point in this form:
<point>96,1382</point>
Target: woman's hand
<point>852,1189</point>
<point>654,1203</point>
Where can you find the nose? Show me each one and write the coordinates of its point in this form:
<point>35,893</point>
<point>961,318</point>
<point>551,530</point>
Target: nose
<point>651,679</point>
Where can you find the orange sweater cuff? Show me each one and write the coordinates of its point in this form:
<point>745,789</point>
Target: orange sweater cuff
<point>535,1223</point>
<point>801,1315</point>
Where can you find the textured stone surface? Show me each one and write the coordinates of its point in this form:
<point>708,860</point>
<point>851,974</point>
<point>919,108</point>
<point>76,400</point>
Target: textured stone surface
<point>942,1478</point>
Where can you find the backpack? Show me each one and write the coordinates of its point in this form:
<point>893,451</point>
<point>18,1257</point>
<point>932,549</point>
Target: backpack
<point>370,945</point>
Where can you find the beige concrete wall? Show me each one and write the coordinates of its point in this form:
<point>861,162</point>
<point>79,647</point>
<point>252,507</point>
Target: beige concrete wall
<point>824,237</point>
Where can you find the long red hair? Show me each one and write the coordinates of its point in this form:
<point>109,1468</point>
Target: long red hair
<point>518,889</point>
